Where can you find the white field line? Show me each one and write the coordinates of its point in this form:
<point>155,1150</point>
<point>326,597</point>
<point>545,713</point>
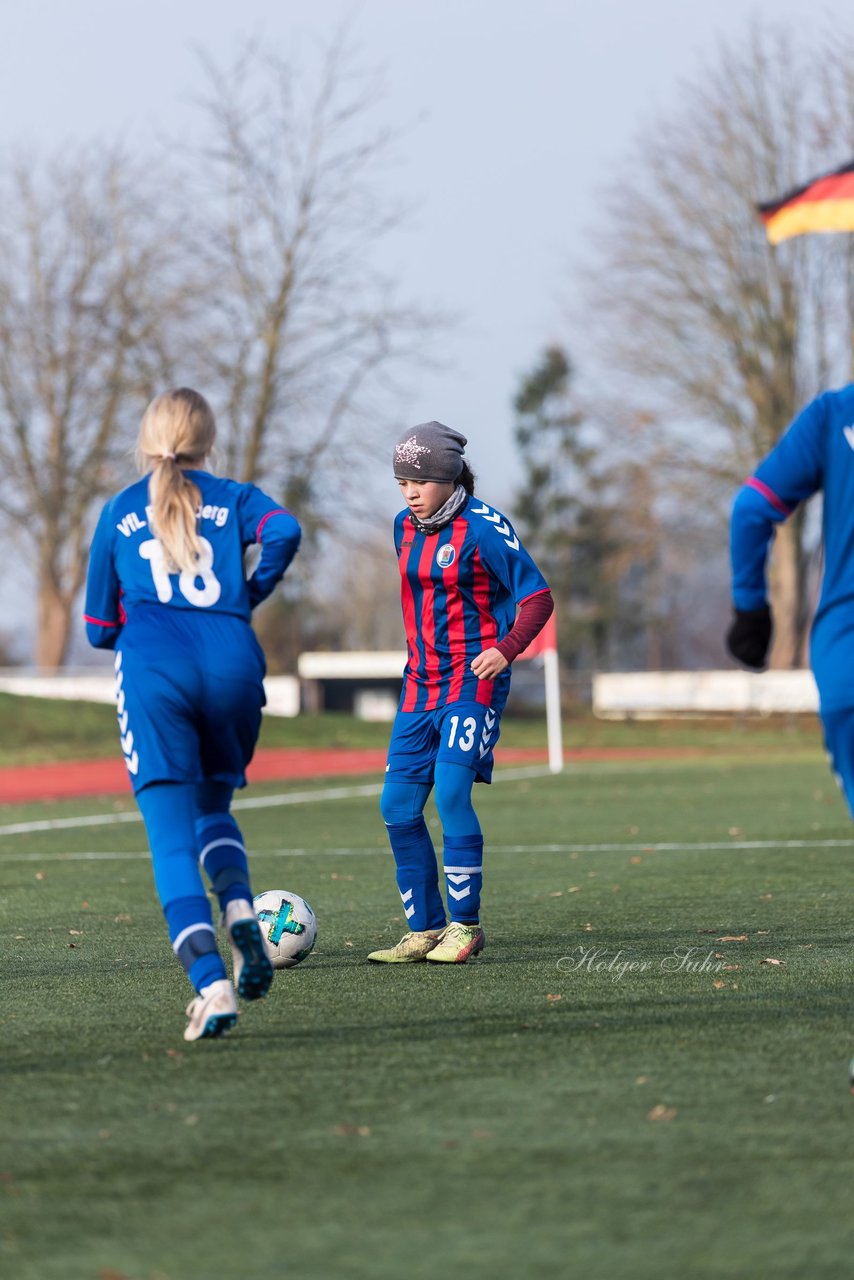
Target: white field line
<point>253,802</point>
<point>310,797</point>
<point>373,850</point>
<point>374,789</point>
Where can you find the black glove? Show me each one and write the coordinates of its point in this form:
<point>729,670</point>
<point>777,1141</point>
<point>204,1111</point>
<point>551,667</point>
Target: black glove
<point>749,637</point>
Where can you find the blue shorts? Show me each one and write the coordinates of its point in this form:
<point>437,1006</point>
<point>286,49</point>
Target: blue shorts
<point>189,693</point>
<point>459,733</point>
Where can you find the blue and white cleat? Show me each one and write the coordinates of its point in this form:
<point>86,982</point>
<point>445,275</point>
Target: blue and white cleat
<point>253,969</point>
<point>213,1012</point>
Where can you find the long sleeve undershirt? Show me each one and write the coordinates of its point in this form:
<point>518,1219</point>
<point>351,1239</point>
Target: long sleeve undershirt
<point>533,615</point>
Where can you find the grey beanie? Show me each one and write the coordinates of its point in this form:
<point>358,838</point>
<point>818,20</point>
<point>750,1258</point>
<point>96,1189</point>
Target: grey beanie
<point>430,451</point>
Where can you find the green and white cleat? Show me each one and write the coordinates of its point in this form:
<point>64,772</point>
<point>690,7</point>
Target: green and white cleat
<point>213,1012</point>
<point>411,948</point>
<point>457,943</point>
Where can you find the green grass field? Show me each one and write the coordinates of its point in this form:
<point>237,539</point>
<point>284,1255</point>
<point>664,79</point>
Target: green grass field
<point>37,730</point>
<point>623,1086</point>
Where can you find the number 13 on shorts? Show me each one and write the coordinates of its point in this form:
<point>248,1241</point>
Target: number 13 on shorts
<point>462,737</point>
<point>468,735</point>
<point>462,733</point>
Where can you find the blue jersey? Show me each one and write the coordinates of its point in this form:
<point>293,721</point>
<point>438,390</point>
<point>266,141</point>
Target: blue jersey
<point>128,568</point>
<point>459,589</point>
<point>817,452</point>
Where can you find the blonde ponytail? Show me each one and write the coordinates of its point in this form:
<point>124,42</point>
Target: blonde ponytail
<point>177,429</point>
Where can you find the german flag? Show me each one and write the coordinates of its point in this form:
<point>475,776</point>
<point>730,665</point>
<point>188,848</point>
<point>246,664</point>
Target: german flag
<point>825,203</point>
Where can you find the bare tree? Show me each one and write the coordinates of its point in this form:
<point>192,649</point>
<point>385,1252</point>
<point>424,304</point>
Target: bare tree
<point>729,335</point>
<point>82,296</point>
<point>347,598</point>
<point>364,611</point>
<point>254,276</point>
<point>305,327</point>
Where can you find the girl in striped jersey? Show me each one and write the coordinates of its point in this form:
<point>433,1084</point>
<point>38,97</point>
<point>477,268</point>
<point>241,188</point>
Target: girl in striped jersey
<point>168,590</point>
<point>464,575</point>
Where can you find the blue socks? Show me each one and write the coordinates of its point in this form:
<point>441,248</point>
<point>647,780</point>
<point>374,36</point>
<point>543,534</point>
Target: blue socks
<point>194,940</point>
<point>463,867</point>
<point>415,858</point>
<point>417,874</point>
<point>463,855</point>
<point>223,856</point>
<point>169,812</point>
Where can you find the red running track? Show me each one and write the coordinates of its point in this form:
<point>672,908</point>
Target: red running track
<point>67,780</point>
<point>70,779</point>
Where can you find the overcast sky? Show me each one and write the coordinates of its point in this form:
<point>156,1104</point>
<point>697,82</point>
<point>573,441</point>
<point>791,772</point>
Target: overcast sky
<point>516,114</point>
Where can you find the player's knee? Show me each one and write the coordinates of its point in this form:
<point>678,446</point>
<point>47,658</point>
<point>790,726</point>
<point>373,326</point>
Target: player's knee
<point>401,802</point>
<point>213,797</point>
<point>453,793</point>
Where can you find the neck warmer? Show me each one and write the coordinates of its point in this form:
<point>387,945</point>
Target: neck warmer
<point>444,515</point>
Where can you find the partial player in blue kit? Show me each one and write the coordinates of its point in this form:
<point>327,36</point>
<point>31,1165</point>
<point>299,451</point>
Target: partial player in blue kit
<point>464,574</point>
<point>816,453</point>
<point>178,561</point>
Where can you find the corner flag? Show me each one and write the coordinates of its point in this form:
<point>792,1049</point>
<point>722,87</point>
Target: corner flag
<point>545,645</point>
<point>825,203</point>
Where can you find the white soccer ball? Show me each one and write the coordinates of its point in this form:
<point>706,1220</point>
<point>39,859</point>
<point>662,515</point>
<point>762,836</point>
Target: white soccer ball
<point>288,926</point>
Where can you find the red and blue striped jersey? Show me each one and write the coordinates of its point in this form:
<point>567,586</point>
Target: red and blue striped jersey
<point>460,589</point>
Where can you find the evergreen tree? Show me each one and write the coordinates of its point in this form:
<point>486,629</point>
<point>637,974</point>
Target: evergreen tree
<point>565,511</point>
